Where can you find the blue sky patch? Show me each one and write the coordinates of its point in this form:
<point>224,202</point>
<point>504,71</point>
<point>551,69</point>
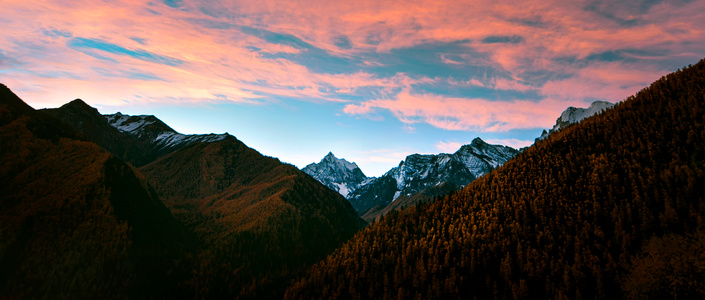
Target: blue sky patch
<point>276,38</point>
<point>55,33</point>
<point>88,46</point>
<point>131,74</point>
<point>342,42</point>
<point>503,39</point>
<point>174,3</point>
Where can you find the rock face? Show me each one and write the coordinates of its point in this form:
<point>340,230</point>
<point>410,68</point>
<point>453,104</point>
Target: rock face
<point>574,115</point>
<point>432,175</point>
<point>337,174</point>
<point>154,131</point>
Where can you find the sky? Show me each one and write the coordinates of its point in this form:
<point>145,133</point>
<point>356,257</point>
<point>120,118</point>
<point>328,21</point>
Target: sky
<point>370,80</point>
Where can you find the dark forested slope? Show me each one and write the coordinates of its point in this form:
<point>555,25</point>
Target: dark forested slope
<point>261,221</point>
<point>612,207</point>
<point>75,221</point>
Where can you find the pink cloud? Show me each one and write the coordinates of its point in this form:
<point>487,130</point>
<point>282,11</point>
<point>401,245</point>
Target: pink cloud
<point>448,147</point>
<point>216,61</point>
<point>221,60</point>
<point>355,109</point>
<point>452,113</point>
<point>607,81</point>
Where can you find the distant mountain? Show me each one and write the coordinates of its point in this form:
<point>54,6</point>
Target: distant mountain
<point>260,222</point>
<point>337,174</point>
<point>77,222</point>
<point>574,115</point>
<point>430,175</point>
<point>610,208</point>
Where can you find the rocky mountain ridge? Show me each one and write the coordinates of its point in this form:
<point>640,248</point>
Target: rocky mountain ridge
<point>574,115</point>
<point>430,174</point>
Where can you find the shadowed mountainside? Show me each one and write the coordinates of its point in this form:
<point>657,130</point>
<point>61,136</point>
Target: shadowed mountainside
<point>74,220</point>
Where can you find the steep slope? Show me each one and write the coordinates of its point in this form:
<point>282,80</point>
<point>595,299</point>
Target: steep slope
<point>262,221</point>
<point>259,222</point>
<point>337,174</point>
<point>422,177</point>
<point>612,207</point>
<point>574,115</point>
<point>75,221</point>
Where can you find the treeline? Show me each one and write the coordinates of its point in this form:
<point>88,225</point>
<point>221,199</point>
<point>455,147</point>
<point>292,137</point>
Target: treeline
<point>612,207</point>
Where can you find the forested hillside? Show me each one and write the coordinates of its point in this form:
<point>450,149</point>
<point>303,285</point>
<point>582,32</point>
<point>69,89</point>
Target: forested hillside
<point>609,208</point>
<point>76,222</point>
<point>261,222</point>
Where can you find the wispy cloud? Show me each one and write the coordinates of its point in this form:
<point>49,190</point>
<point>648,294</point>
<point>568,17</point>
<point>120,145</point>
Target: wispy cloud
<point>91,46</point>
<point>448,147</point>
<point>473,114</point>
<point>458,65</point>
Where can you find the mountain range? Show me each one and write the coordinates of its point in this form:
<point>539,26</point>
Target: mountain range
<point>420,178</point>
<point>204,215</point>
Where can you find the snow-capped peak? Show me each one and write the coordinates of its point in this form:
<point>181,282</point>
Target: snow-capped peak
<point>338,174</point>
<point>331,159</point>
<point>574,115</point>
<point>423,172</point>
<point>150,128</point>
<point>130,124</point>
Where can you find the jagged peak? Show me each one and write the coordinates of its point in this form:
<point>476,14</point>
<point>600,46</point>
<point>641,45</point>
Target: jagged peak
<point>478,141</point>
<point>475,144</point>
<point>330,156</point>
<point>331,159</point>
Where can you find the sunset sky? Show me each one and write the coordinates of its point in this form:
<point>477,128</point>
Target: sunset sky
<point>372,81</point>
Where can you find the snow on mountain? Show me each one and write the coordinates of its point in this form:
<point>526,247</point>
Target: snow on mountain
<point>574,115</point>
<point>157,132</point>
<point>337,174</point>
<point>419,173</point>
